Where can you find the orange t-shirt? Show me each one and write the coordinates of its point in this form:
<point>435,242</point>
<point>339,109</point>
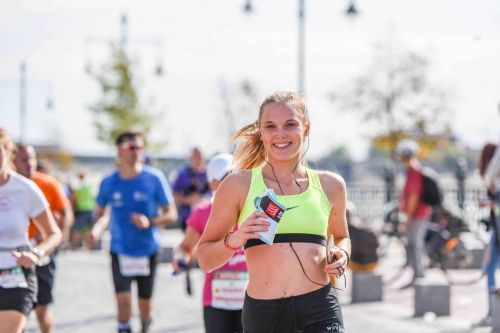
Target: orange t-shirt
<point>54,194</point>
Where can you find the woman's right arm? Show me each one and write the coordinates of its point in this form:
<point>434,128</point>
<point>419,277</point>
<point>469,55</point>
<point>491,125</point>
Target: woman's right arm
<point>51,239</point>
<point>50,231</point>
<point>228,200</point>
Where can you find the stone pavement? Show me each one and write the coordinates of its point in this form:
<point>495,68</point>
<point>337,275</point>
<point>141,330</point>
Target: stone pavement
<point>85,303</point>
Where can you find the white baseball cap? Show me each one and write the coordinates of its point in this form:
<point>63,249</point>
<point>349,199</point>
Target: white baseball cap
<point>219,166</point>
<point>407,147</point>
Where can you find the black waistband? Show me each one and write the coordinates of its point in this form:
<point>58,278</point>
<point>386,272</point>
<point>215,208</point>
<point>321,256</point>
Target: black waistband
<point>320,292</point>
<point>290,238</point>
<point>18,248</point>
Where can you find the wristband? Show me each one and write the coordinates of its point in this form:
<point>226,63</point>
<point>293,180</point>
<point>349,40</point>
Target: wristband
<point>347,254</point>
<point>226,245</point>
<point>38,253</point>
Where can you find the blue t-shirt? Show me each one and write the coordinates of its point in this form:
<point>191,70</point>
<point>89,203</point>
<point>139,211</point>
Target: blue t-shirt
<point>143,194</point>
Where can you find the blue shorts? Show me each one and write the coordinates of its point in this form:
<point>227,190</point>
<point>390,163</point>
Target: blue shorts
<point>83,220</point>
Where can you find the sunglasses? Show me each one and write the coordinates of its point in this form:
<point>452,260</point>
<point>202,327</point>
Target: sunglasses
<point>130,146</point>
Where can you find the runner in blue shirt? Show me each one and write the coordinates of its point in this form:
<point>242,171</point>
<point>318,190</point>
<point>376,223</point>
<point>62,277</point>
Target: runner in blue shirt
<point>139,200</point>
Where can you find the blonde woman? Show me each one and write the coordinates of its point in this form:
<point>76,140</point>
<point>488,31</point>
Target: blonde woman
<point>20,201</point>
<point>288,287</point>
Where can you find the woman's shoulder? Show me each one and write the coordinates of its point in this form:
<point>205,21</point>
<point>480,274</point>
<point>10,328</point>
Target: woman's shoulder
<point>331,181</point>
<point>20,182</point>
<point>235,185</point>
<point>238,178</point>
<point>24,185</point>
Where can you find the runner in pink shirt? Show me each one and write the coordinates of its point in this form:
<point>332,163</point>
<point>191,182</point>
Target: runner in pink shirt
<point>224,288</point>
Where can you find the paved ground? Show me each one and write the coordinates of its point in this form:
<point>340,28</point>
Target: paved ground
<point>84,301</point>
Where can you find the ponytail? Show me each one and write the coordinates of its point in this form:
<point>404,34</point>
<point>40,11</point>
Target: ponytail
<point>249,152</point>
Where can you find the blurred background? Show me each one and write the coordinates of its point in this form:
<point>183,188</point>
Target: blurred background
<point>194,63</point>
<point>189,73</point>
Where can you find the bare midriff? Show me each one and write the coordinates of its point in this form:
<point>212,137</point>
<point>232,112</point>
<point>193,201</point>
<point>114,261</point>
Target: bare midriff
<point>275,272</point>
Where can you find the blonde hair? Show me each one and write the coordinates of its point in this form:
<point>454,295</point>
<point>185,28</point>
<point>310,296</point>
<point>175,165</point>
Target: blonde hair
<point>8,145</point>
<point>249,151</point>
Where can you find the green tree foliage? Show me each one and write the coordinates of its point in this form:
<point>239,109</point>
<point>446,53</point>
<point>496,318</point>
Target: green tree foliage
<point>118,108</point>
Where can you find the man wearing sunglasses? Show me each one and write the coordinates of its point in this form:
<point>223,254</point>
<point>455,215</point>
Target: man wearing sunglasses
<point>139,200</point>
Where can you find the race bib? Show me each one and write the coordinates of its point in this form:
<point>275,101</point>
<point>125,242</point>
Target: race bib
<point>13,278</point>
<point>228,289</point>
<point>134,266</point>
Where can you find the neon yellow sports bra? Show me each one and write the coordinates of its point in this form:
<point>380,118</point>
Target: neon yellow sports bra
<point>306,217</point>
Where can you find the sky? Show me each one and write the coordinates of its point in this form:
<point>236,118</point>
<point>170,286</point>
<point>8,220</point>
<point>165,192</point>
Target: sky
<point>207,47</point>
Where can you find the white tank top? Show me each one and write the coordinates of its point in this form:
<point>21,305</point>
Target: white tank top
<point>20,200</point>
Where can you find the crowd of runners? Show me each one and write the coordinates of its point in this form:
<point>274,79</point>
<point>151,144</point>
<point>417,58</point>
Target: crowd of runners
<point>257,221</point>
<point>213,204</point>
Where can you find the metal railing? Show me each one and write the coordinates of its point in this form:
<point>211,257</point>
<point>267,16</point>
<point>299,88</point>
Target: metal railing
<point>371,200</point>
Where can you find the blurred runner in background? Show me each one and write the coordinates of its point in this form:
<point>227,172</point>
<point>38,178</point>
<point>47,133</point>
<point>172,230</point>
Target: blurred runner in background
<point>26,164</point>
<point>140,200</point>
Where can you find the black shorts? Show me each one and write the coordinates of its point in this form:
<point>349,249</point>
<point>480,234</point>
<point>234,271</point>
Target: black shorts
<point>144,283</point>
<point>222,321</point>
<point>20,299</point>
<point>45,275</point>
<point>315,312</point>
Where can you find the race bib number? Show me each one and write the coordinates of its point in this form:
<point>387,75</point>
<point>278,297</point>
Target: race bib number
<point>13,278</point>
<point>134,266</point>
<point>228,289</point>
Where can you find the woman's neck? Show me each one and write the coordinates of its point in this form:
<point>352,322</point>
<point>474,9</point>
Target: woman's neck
<point>287,180</point>
<point>285,166</point>
<point>286,172</point>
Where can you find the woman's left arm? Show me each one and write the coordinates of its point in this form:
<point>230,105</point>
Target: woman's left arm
<point>335,189</point>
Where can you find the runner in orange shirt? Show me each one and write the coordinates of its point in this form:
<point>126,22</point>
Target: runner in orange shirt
<point>25,162</point>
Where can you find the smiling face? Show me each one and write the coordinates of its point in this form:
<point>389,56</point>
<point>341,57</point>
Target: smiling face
<point>283,131</point>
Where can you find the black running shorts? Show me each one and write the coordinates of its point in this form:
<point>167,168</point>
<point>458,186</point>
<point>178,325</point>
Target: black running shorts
<point>20,299</point>
<point>315,312</point>
<point>45,275</point>
<point>144,283</point>
<point>222,321</point>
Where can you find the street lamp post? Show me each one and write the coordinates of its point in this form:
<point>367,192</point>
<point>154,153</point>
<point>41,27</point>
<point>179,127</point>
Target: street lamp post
<point>22,103</point>
<point>301,46</point>
<point>23,99</point>
<point>123,32</point>
<point>123,42</point>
